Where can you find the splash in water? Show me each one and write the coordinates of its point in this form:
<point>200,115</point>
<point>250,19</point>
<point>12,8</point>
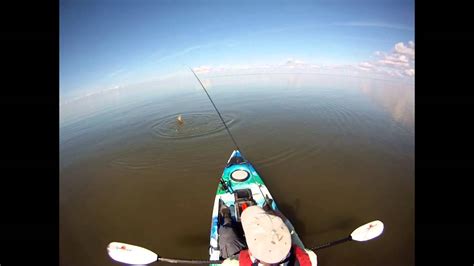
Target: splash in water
<point>180,120</point>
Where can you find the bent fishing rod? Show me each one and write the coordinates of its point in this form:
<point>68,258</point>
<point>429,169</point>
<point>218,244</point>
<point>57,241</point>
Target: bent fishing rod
<point>215,107</point>
<point>224,184</point>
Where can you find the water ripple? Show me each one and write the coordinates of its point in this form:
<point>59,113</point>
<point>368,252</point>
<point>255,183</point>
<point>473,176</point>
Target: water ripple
<point>196,124</point>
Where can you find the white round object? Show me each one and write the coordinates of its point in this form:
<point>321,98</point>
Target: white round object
<point>368,231</point>
<point>239,175</point>
<point>130,254</point>
<point>267,236</point>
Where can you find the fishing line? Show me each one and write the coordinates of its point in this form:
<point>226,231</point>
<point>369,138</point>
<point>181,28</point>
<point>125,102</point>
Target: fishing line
<point>228,131</point>
<point>220,116</point>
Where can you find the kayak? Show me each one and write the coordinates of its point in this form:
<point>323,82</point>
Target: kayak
<point>240,187</point>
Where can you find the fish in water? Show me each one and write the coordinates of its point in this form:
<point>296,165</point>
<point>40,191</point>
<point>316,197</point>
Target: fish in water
<point>180,120</point>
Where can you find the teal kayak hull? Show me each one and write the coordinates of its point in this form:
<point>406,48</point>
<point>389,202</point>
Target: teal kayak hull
<point>240,175</point>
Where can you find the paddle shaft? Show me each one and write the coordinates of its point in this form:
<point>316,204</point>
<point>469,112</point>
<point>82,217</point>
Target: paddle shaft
<point>333,243</point>
<point>177,261</point>
<point>330,244</point>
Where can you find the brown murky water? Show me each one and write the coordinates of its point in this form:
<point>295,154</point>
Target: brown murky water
<point>335,152</point>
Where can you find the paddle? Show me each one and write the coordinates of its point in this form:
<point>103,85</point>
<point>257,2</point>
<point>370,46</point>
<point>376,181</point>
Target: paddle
<point>131,254</point>
<point>364,232</point>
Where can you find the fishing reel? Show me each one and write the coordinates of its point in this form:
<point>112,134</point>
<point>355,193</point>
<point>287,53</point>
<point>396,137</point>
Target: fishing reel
<point>224,185</point>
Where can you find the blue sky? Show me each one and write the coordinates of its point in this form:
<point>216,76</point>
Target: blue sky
<point>106,43</point>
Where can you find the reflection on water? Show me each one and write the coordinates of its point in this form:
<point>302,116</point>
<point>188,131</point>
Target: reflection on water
<point>335,153</point>
<point>396,98</point>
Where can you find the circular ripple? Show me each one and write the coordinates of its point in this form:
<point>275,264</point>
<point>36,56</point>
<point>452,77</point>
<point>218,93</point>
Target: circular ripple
<point>289,153</point>
<point>194,125</point>
<point>135,165</point>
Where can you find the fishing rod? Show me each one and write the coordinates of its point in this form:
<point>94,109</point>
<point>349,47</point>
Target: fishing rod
<point>131,254</point>
<point>224,185</point>
<point>220,116</point>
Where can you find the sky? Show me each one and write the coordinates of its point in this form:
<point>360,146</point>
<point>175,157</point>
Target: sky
<point>112,43</point>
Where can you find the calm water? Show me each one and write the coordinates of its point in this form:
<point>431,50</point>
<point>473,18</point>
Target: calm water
<point>335,153</point>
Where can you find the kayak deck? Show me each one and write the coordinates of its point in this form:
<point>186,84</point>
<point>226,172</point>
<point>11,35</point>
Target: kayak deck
<point>241,186</point>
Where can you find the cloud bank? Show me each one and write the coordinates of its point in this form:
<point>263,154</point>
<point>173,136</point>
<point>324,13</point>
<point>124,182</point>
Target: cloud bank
<point>397,63</point>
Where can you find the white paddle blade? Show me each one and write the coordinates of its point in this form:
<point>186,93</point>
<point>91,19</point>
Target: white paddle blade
<point>131,254</point>
<point>368,231</point>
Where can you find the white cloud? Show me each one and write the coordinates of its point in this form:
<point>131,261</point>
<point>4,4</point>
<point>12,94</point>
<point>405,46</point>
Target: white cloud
<point>409,50</point>
<point>393,62</point>
<point>396,63</point>
<point>366,65</point>
<point>202,69</point>
<point>402,59</point>
<point>292,63</point>
<point>400,62</point>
